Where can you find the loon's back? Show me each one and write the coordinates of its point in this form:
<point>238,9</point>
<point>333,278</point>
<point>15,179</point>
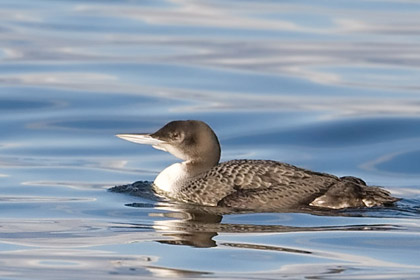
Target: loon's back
<point>266,184</point>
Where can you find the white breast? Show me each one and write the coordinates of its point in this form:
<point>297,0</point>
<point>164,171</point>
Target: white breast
<point>171,178</point>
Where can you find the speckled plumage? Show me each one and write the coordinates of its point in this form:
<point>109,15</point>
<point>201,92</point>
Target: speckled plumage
<point>266,184</point>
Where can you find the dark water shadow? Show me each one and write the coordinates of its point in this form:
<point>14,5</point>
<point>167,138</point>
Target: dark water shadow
<point>339,132</point>
<point>8,104</point>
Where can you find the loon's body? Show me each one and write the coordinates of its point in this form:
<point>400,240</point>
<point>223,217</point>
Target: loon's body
<point>246,184</point>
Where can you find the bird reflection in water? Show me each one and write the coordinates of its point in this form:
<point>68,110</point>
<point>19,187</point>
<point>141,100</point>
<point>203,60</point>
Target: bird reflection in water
<point>197,225</point>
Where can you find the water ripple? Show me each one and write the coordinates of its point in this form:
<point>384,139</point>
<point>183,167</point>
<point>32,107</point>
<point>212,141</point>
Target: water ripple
<point>332,86</point>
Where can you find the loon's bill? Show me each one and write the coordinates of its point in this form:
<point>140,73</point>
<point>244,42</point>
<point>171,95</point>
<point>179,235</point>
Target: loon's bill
<point>246,184</point>
<point>142,138</point>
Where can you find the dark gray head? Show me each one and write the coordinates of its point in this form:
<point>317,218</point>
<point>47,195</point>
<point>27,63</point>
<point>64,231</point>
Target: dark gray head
<point>189,140</point>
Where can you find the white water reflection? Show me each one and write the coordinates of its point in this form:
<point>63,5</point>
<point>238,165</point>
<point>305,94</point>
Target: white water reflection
<point>315,59</point>
<point>223,101</point>
<point>84,245</point>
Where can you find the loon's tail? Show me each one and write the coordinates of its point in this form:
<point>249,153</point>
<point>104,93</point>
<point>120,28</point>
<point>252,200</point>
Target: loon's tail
<point>376,196</point>
<point>353,192</point>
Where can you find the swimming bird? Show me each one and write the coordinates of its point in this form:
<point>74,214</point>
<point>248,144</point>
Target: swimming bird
<point>246,184</point>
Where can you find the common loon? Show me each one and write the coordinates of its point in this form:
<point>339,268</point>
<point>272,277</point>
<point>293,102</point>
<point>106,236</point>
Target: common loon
<point>246,184</point>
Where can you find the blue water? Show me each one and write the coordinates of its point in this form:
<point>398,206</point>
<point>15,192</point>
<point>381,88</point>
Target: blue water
<point>332,86</point>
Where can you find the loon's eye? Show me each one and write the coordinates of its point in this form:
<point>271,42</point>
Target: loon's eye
<point>175,135</point>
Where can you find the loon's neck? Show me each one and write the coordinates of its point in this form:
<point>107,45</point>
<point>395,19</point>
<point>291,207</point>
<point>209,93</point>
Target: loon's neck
<point>175,176</point>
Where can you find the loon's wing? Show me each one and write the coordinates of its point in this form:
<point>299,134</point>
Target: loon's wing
<point>289,197</point>
<point>254,183</point>
<point>265,185</point>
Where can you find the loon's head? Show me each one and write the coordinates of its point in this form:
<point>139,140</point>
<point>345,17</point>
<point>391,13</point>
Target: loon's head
<point>190,140</point>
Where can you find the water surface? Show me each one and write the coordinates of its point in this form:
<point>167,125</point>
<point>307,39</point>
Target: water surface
<point>331,86</point>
